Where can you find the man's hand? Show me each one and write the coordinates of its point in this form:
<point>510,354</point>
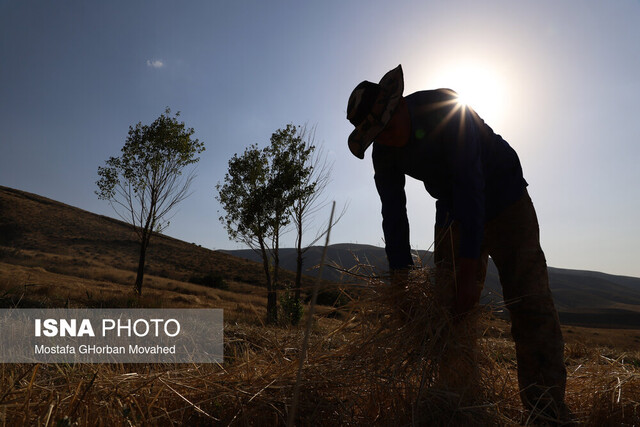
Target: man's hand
<point>399,278</point>
<point>467,291</point>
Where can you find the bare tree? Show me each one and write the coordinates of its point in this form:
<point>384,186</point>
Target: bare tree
<point>311,200</point>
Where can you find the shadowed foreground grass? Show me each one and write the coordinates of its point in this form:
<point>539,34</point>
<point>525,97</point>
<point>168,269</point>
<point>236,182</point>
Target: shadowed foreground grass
<point>394,358</point>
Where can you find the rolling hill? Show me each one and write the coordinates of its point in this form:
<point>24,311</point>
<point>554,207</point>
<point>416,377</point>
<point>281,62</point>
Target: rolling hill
<point>42,235</point>
<point>53,254</point>
<point>584,298</point>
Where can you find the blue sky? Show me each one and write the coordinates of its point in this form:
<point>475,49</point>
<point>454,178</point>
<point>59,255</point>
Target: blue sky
<point>557,79</point>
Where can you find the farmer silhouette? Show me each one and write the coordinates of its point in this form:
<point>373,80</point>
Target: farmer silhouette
<point>482,208</point>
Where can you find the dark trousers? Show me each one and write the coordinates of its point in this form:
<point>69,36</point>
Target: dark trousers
<point>512,239</point>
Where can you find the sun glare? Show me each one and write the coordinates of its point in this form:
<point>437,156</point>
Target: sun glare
<point>478,87</point>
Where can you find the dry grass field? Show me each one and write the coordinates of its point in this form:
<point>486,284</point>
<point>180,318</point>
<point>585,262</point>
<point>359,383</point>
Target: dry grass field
<point>375,361</point>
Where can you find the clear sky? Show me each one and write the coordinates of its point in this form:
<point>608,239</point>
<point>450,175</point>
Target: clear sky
<point>559,80</point>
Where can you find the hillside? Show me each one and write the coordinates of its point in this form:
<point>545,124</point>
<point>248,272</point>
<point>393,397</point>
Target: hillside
<point>31,222</point>
<point>51,249</point>
<point>582,297</point>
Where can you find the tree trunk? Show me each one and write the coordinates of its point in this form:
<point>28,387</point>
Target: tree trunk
<point>272,307</point>
<point>276,262</point>
<point>299,260</point>
<point>143,252</point>
<point>272,300</point>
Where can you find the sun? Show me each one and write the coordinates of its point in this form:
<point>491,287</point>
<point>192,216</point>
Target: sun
<point>478,87</point>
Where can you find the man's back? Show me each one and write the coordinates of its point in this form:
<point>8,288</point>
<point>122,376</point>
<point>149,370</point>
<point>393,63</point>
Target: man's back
<point>471,171</point>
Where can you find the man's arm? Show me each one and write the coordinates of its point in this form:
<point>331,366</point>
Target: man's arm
<point>395,224</point>
<point>467,291</point>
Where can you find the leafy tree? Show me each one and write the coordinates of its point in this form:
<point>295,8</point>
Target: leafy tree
<point>247,217</point>
<point>290,174</point>
<point>258,193</point>
<point>145,182</point>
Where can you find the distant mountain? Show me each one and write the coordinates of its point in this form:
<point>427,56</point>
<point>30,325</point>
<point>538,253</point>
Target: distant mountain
<point>582,297</point>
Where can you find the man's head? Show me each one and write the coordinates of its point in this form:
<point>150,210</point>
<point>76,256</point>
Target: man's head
<point>371,107</point>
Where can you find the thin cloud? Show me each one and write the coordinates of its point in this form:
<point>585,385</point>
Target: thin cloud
<point>155,63</point>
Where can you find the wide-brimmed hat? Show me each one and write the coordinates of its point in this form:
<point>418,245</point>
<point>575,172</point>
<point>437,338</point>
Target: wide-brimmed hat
<point>370,108</point>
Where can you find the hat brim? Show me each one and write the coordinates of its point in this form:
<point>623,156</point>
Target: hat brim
<point>392,85</point>
<point>363,136</point>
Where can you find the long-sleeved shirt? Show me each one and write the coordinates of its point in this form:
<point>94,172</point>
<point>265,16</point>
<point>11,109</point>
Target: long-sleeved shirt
<point>471,172</point>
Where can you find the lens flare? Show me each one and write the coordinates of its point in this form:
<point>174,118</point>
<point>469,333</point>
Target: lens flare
<point>478,87</point>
